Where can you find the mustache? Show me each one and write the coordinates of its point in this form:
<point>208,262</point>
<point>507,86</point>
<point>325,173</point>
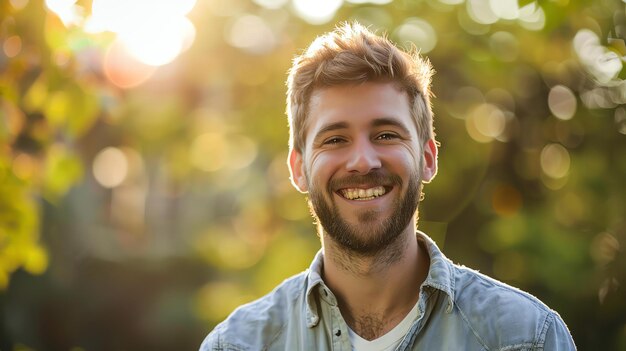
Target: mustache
<point>378,177</point>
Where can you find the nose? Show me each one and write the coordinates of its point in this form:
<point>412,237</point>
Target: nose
<point>363,157</point>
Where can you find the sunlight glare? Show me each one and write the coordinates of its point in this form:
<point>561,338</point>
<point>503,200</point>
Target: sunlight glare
<point>18,4</point>
<point>375,2</point>
<point>110,167</point>
<point>505,9</point>
<point>562,102</point>
<point>480,12</point>
<point>122,70</point>
<point>271,4</point>
<point>317,12</point>
<point>67,10</point>
<point>418,32</point>
<point>12,46</point>
<point>532,17</point>
<point>485,123</point>
<point>252,34</point>
<point>603,64</point>
<point>555,161</point>
<point>159,42</point>
<point>153,32</point>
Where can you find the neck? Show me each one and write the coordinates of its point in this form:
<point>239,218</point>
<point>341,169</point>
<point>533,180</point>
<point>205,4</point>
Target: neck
<point>388,283</point>
<point>363,266</point>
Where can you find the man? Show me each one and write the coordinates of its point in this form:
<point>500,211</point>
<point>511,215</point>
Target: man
<point>361,145</point>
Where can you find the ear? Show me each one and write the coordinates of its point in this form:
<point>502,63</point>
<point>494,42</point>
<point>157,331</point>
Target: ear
<point>296,170</point>
<point>429,166</point>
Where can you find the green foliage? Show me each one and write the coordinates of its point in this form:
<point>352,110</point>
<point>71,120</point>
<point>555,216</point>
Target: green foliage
<point>19,246</point>
<point>141,198</point>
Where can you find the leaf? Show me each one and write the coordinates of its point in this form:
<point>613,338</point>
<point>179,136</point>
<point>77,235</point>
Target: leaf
<point>83,112</point>
<point>63,169</point>
<point>36,95</point>
<point>75,109</point>
<point>11,121</point>
<point>35,259</point>
<point>57,108</point>
<point>19,228</point>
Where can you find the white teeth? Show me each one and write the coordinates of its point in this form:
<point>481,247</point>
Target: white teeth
<point>363,194</point>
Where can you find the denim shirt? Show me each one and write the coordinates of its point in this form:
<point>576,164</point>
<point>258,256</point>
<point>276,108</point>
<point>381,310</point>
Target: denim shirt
<point>459,309</point>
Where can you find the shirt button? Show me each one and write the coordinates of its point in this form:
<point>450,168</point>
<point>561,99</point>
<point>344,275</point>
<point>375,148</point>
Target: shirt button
<point>338,333</point>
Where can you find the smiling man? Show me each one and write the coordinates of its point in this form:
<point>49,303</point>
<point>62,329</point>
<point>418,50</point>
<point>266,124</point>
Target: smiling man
<point>362,146</point>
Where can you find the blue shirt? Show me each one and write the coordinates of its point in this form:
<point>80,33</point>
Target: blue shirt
<point>459,309</point>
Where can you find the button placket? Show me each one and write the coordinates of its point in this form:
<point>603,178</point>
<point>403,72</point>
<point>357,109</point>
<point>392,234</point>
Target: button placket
<point>339,330</point>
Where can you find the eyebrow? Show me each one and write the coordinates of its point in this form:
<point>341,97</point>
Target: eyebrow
<point>387,121</point>
<point>329,128</point>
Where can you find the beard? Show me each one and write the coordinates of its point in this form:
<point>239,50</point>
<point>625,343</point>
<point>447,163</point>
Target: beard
<point>372,234</point>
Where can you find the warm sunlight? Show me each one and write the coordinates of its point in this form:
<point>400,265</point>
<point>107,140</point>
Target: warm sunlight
<point>317,12</point>
<point>67,10</point>
<point>147,187</point>
<point>153,32</point>
<point>148,33</point>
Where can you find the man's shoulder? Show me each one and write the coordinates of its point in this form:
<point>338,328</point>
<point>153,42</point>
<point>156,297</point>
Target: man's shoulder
<point>260,322</point>
<point>473,286</point>
<point>500,314</point>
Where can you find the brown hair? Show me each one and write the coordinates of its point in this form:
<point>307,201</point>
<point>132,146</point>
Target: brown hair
<point>352,54</point>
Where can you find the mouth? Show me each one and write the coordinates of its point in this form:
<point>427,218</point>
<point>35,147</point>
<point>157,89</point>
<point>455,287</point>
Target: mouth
<point>363,194</point>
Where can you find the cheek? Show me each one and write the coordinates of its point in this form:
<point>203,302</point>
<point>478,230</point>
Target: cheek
<point>401,158</point>
<point>322,167</point>
<point>323,161</point>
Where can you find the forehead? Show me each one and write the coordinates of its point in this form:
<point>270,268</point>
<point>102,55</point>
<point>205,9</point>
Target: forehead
<point>356,105</point>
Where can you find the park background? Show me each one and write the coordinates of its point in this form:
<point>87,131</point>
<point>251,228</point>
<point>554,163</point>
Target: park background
<point>143,186</point>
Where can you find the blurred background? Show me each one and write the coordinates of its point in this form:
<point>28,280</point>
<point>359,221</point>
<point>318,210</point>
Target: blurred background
<point>143,187</point>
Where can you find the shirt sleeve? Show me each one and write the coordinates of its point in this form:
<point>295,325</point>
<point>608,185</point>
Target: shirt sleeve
<point>558,337</point>
<point>215,341</point>
<point>210,343</point>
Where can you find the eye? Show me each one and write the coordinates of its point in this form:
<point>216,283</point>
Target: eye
<point>386,136</point>
<point>333,141</point>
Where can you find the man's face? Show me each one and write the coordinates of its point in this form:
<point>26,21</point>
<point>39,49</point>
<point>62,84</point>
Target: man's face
<point>363,164</point>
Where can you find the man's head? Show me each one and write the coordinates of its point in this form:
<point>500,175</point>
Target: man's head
<point>362,140</point>
<point>351,55</point>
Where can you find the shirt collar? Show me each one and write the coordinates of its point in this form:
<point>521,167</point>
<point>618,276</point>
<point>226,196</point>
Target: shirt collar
<point>440,274</point>
<point>314,282</point>
<point>440,277</point>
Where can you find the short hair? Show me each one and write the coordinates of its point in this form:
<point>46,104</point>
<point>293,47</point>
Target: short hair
<point>352,54</point>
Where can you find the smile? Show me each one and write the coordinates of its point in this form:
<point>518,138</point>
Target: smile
<point>362,194</point>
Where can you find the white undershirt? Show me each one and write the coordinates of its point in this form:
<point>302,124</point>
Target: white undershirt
<point>387,342</point>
